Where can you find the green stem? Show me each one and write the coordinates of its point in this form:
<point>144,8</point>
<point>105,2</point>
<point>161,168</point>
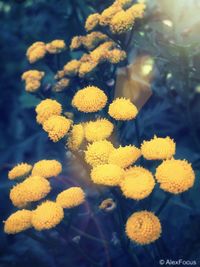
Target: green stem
<point>163,205</point>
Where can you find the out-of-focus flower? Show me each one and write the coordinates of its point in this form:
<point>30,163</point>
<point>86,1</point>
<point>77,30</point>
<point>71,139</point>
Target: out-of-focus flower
<point>89,99</point>
<point>59,75</point>
<point>158,148</point>
<point>76,137</point>
<point>124,156</point>
<point>36,51</point>
<point>19,171</point>
<point>61,85</point>
<point>47,215</point>
<point>32,189</point>
<point>138,183</point>
<point>47,168</point>
<point>115,56</point>
<point>56,46</point>
<point>98,152</point>
<point>143,227</point>
<point>107,205</point>
<point>87,68</point>
<point>32,79</point>
<point>76,42</point>
<point>107,174</point>
<point>72,67</point>
<point>46,109</point>
<point>98,130</point>
<point>71,197</point>
<point>137,10</point>
<point>124,3</point>
<point>175,176</point>
<point>122,109</point>
<point>108,13</point>
<point>92,21</point>
<point>56,127</point>
<point>99,53</point>
<point>122,22</point>
<point>18,222</point>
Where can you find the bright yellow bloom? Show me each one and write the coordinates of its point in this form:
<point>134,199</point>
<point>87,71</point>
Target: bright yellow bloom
<point>143,227</point>
<point>32,79</point>
<point>175,176</point>
<point>47,168</point>
<point>57,127</point>
<point>87,68</point>
<point>124,156</point>
<point>32,189</point>
<point>99,53</point>
<point>61,85</point>
<point>19,171</point>
<point>137,10</point>
<point>46,109</point>
<point>115,56</point>
<point>107,174</point>
<point>121,22</point>
<point>90,41</point>
<point>56,46</point>
<point>138,183</point>
<point>122,109</point>
<point>92,21</point>
<point>98,130</point>
<point>72,67</point>
<point>76,137</point>
<point>71,197</point>
<point>158,148</point>
<point>47,215</point>
<point>89,99</point>
<point>18,222</point>
<point>76,42</point>
<point>108,13</point>
<point>36,51</point>
<point>98,152</point>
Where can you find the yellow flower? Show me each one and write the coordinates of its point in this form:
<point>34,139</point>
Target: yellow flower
<point>158,148</point>
<point>32,189</point>
<point>72,67</point>
<point>61,85</point>
<point>115,56</point>
<point>122,109</point>
<point>124,156</point>
<point>87,68</point>
<point>56,127</point>
<point>107,174</point>
<point>47,215</point>
<point>90,41</point>
<point>89,99</point>
<point>138,183</point>
<point>19,171</point>
<point>55,46</point>
<point>99,54</point>
<point>76,42</point>
<point>36,51</point>
<point>108,13</point>
<point>18,222</point>
<point>76,137</point>
<point>124,3</point>
<point>143,227</point>
<point>175,176</point>
<point>32,79</point>
<point>46,109</point>
<point>47,168</point>
<point>92,21</point>
<point>98,130</point>
<point>98,152</point>
<point>137,10</point>
<point>71,197</point>
<point>121,22</point>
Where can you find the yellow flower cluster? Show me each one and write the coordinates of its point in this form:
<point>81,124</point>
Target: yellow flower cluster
<point>92,21</point>
<point>39,49</point>
<point>76,137</point>
<point>72,197</point>
<point>61,85</point>
<point>19,171</point>
<point>71,68</point>
<point>32,79</point>
<point>143,227</point>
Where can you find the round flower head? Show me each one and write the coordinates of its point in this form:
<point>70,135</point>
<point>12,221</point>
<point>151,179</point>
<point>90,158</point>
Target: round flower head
<point>55,46</point>
<point>47,168</point>
<point>18,222</point>
<point>122,109</point>
<point>98,130</point>
<point>158,148</point>
<point>57,127</point>
<point>47,215</point>
<point>36,51</point>
<point>92,21</point>
<point>107,174</point>
<point>175,176</point>
<point>32,189</point>
<point>98,152</point>
<point>121,22</point>
<point>76,137</point>
<point>138,183</point>
<point>143,227</point>
<point>71,197</point>
<point>72,67</point>
<point>19,171</point>
<point>124,156</point>
<point>89,99</point>
<point>46,109</point>
<point>108,13</point>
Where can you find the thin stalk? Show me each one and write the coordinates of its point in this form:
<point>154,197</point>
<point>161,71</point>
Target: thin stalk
<point>163,205</point>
